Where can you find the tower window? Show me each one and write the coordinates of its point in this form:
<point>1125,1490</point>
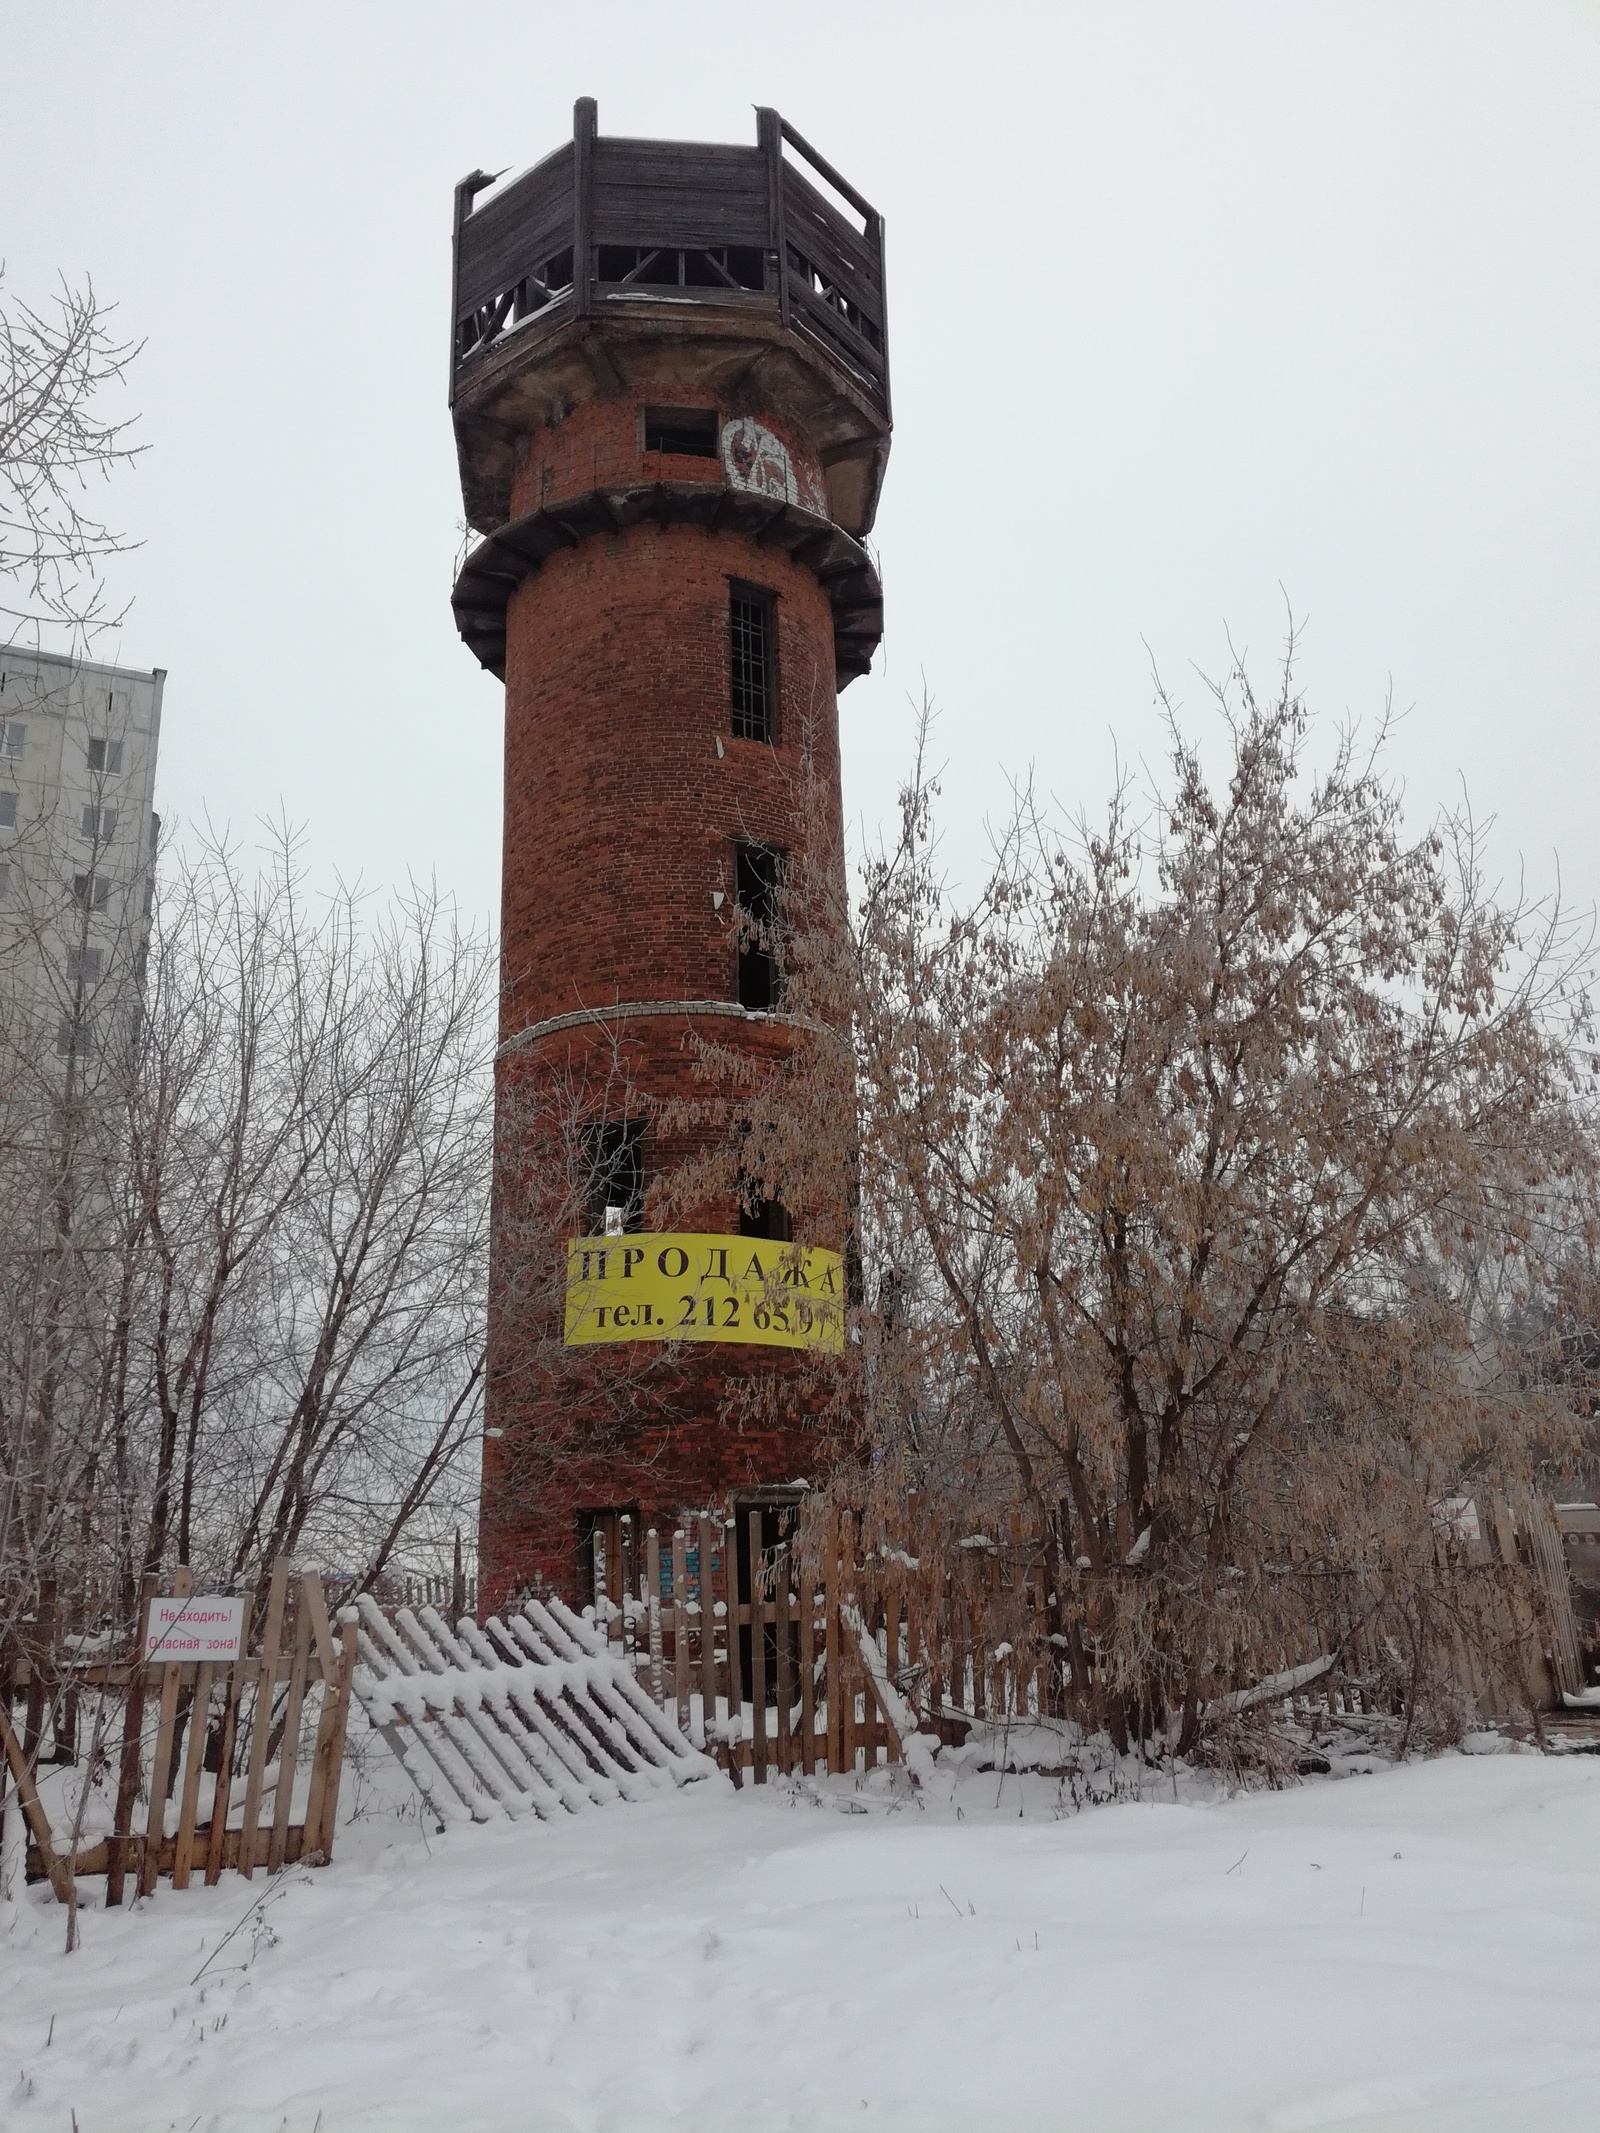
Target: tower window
<point>752,641</point>
<point>615,1198</point>
<point>690,432</point>
<point>758,888</point>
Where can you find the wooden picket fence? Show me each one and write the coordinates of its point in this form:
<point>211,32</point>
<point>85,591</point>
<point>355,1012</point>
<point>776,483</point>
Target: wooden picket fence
<point>775,1671</point>
<point>185,1724</point>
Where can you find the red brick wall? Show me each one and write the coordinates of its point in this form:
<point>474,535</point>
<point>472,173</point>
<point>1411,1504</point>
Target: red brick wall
<point>600,446</point>
<point>620,820</point>
<point>620,815</point>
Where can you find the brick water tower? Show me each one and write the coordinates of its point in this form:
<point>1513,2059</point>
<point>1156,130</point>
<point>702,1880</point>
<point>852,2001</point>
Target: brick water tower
<point>670,387</point>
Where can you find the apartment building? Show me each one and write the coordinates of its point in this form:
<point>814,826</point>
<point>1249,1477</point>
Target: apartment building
<point>78,831</point>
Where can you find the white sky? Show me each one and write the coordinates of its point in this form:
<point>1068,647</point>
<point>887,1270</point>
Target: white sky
<point>1186,304</point>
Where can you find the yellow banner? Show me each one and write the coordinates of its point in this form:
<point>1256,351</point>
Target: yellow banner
<point>737,1289</point>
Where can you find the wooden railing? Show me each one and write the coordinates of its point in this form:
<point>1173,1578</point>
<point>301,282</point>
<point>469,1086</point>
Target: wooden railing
<point>604,218</point>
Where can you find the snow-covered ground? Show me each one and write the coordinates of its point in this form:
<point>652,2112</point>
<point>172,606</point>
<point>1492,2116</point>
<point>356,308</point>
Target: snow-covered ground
<point>1419,1948</point>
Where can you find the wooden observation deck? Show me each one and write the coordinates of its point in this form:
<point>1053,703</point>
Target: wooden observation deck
<point>609,246</point>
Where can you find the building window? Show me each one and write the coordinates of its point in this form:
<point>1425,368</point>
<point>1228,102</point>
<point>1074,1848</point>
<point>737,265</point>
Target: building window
<point>757,895</point>
<point>690,432</point>
<point>751,642</point>
<point>763,1218</point>
<point>5,881</point>
<point>105,755</point>
<point>8,810</point>
<point>13,740</point>
<point>615,1195</point>
<point>85,963</point>
<point>74,1036</point>
<point>89,894</point>
<point>100,822</point>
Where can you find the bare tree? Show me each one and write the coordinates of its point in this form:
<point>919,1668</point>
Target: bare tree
<point>57,366</point>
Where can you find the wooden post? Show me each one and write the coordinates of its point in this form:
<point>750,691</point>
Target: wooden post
<point>730,1585</point>
<point>680,1627</point>
<point>32,1809</point>
<point>758,1655</point>
<point>782,1566</point>
<point>183,1853</point>
<point>708,1640</point>
<point>289,1741</point>
<point>261,1716</point>
<point>808,1677</point>
<point>221,1797</point>
<point>155,1825</point>
<point>132,1729</point>
<point>833,1675</point>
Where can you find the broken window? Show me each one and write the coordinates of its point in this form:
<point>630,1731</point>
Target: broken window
<point>752,667</point>
<point>757,892</point>
<point>615,1198</point>
<point>691,432</point>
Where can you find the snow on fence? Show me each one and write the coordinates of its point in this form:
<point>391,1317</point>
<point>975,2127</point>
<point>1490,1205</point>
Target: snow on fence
<point>229,1765</point>
<point>530,1715</point>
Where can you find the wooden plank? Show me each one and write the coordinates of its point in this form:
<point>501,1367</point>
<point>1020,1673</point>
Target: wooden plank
<point>261,1715</point>
<point>783,1568</point>
<point>738,1747</point>
<point>93,1861</point>
<point>328,1754</point>
<point>327,1651</point>
<point>155,1828</point>
<point>808,1680</point>
<point>652,1578</point>
<point>183,1849</point>
<point>833,1679</point>
<point>708,1639</point>
<point>289,1741</point>
<point>758,1655</point>
<point>224,1787</point>
<point>328,1821</point>
<point>680,1627</point>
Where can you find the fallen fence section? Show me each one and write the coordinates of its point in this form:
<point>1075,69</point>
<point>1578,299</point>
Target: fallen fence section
<point>527,1716</point>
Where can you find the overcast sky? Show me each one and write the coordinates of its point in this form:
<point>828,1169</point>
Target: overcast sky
<point>1187,305</point>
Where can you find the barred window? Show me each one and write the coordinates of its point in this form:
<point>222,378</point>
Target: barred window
<point>751,635</point>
